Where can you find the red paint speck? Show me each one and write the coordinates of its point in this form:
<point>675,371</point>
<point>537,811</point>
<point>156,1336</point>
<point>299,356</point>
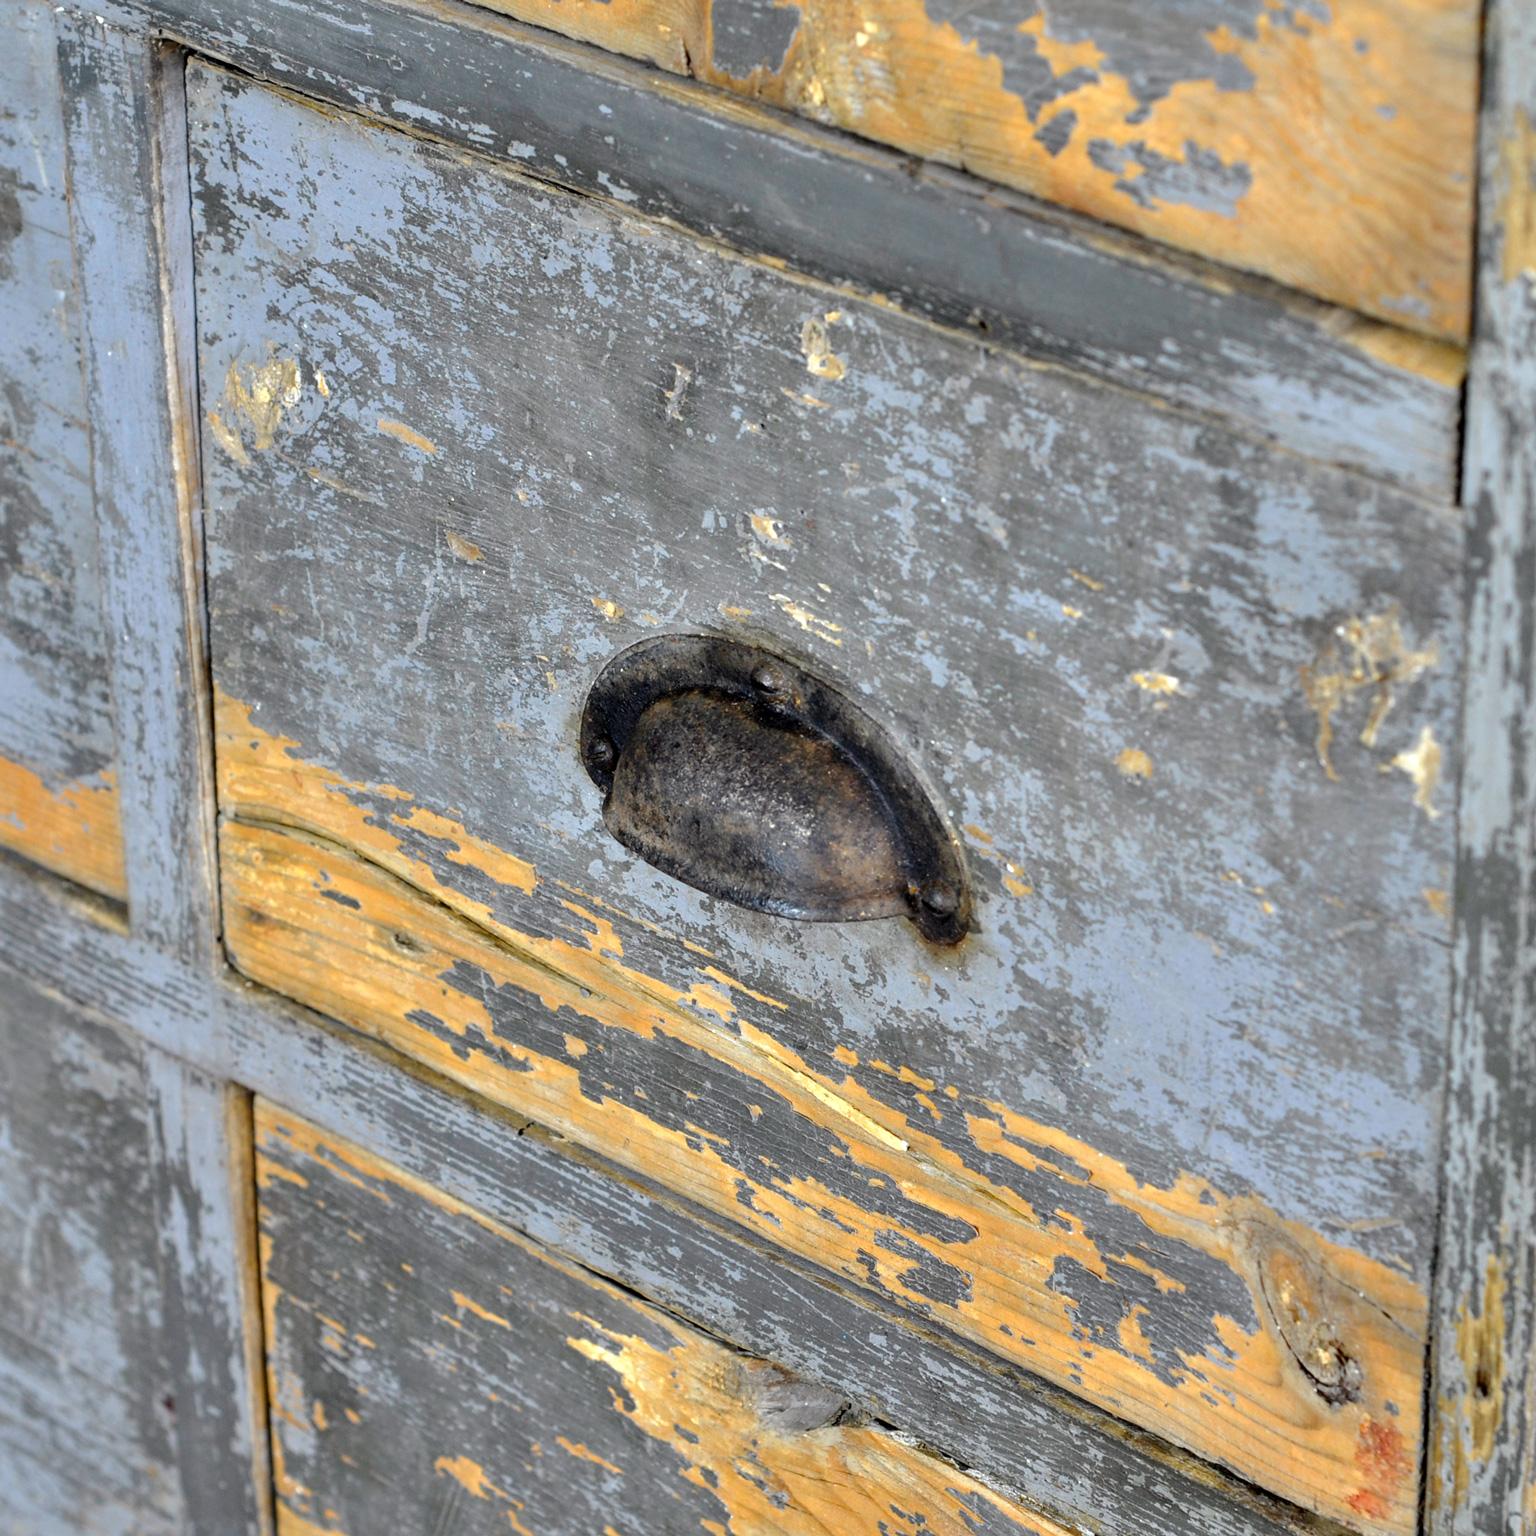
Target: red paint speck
<point>1382,1459</point>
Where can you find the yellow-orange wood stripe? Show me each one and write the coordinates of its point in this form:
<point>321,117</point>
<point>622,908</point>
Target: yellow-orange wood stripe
<point>358,926</point>
<point>675,1384</point>
<point>1328,146</point>
<point>72,830</point>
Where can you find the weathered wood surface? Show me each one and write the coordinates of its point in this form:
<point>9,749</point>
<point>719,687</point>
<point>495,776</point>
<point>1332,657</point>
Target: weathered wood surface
<point>1483,1473</point>
<point>87,1411</point>
<point>428,1369</point>
<point>210,1318</point>
<point>1051,1451</point>
<point>127,164</point>
<point>58,796</point>
<point>141,1393</point>
<point>1323,381</point>
<point>1328,146</point>
<point>120,1404</point>
<point>1163,1131</point>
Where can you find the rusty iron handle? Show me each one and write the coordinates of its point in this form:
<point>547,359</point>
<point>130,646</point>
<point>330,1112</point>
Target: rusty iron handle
<point>744,775</point>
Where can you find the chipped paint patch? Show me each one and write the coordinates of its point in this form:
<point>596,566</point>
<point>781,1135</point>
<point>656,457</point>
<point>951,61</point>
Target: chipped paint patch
<point>1227,160</point>
<point>1232,877</point>
<point>227,438</point>
<point>820,359</point>
<point>1480,1331</point>
<point>285,1394</point>
<point>341,488</point>
<point>469,1304</point>
<point>803,399</point>
<point>586,1453</point>
<point>1155,682</point>
<point>682,377</point>
<point>405,434</point>
<point>700,1401</point>
<point>1442,363</point>
<point>256,397</point>
<point>1367,656</point>
<point>469,1475</point>
<point>1281,141</point>
<point>1014,878</point>
<point>1422,764</point>
<point>1134,763</point>
<point>772,1452</point>
<point>812,623</point>
<point>259,772</point>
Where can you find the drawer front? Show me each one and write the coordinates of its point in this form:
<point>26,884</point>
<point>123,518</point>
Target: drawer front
<point>430,1370</point>
<point>1329,147</point>
<point>58,801</point>
<point>1161,1129</point>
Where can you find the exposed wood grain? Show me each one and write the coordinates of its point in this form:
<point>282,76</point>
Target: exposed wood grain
<point>1009,1142</point>
<point>126,155</point>
<point>1094,1472</point>
<point>430,1369</point>
<point>58,799</point>
<point>1483,1449</point>
<point>1328,147</point>
<point>745,1134</point>
<point>1323,381</point>
<point>73,830</point>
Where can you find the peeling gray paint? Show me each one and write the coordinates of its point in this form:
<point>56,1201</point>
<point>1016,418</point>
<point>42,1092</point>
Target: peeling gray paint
<point>749,35</point>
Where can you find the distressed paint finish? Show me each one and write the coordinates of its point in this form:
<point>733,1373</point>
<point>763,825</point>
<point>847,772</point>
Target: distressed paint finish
<point>210,1321</point>
<point>1325,382</point>
<point>126,144</point>
<point>111,1401</point>
<point>87,1433</point>
<point>1483,1447</point>
<point>1008,1142</point>
<point>1049,1450</point>
<point>129,1388</point>
<point>1326,145</point>
<point>131,1398</point>
<point>58,797</point>
<point>430,1369</point>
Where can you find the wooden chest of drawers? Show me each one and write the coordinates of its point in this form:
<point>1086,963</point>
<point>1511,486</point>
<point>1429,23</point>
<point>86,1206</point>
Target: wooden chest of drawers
<point>495,537</point>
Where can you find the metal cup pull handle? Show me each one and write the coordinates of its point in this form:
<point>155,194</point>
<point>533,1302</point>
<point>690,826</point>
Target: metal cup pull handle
<point>741,774</point>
